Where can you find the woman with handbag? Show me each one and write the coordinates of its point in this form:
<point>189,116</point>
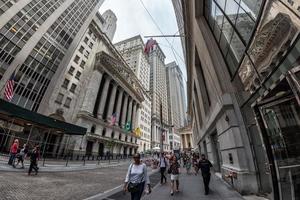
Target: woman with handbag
<point>137,178</point>
<point>174,170</point>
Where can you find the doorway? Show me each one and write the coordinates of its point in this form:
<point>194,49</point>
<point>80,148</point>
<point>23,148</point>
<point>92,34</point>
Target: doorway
<point>89,148</point>
<point>281,125</point>
<point>101,149</point>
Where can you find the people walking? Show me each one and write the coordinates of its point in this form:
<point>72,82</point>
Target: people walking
<point>195,163</point>
<point>163,165</point>
<point>205,165</point>
<point>174,170</point>
<point>34,156</point>
<point>137,178</point>
<point>13,152</point>
<point>22,155</point>
<point>188,165</point>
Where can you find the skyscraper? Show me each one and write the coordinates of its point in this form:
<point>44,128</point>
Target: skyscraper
<point>176,102</point>
<point>37,40</point>
<point>158,90</point>
<point>132,50</point>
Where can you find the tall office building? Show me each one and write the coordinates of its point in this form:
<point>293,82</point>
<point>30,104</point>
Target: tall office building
<point>176,102</point>
<point>158,90</point>
<point>37,41</point>
<point>109,24</point>
<point>132,50</point>
<point>243,91</point>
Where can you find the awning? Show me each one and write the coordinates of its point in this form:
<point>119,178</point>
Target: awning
<point>9,110</point>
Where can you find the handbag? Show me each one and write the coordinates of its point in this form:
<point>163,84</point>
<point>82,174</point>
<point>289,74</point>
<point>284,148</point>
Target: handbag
<point>169,171</point>
<point>132,187</point>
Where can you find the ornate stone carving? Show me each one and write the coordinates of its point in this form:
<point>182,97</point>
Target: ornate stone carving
<point>270,41</point>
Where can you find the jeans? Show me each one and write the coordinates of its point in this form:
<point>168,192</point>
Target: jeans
<point>206,180</point>
<point>162,175</point>
<point>33,165</point>
<point>12,158</point>
<point>138,195</point>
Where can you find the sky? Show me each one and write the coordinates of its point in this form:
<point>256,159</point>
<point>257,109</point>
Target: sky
<point>133,20</point>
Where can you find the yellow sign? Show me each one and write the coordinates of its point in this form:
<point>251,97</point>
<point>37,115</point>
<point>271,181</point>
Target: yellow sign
<point>137,132</point>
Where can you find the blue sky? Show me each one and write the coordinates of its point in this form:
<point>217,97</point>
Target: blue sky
<point>133,20</point>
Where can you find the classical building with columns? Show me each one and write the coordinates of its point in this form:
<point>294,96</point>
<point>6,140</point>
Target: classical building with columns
<point>132,50</point>
<point>186,137</point>
<point>100,92</point>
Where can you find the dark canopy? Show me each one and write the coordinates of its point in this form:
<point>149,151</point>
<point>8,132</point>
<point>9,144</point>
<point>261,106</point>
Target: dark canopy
<point>9,111</point>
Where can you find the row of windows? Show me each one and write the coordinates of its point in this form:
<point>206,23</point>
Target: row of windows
<point>6,4</point>
<point>66,85</point>
<point>18,30</point>
<point>68,24</point>
<point>60,98</point>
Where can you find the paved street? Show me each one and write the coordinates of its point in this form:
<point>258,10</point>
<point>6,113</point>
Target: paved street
<point>60,185</point>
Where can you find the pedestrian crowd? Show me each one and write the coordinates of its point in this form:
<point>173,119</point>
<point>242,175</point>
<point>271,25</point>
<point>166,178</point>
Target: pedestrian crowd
<point>17,155</point>
<point>137,178</point>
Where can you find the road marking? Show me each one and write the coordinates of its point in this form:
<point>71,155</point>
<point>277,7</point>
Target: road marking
<point>103,193</point>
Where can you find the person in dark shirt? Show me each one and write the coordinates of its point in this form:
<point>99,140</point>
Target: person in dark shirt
<point>34,156</point>
<point>205,166</point>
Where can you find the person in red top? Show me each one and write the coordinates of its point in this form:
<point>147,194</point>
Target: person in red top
<point>13,152</point>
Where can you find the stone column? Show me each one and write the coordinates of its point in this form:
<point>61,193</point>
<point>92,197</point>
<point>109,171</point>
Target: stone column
<point>129,114</point>
<point>134,115</point>
<point>103,98</point>
<point>91,92</point>
<point>124,111</point>
<point>119,105</point>
<point>112,102</point>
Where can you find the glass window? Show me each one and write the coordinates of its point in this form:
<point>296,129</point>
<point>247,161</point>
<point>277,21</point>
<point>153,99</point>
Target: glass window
<point>227,32</point>
<point>76,59</point>
<point>231,10</point>
<point>82,64</point>
<point>73,88</point>
<point>65,83</point>
<point>71,70</point>
<point>68,102</point>
<point>78,74</point>
<point>59,98</point>
<point>81,49</point>
<point>244,24</point>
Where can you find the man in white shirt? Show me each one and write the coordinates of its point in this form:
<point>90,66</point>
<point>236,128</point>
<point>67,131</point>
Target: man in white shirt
<point>163,166</point>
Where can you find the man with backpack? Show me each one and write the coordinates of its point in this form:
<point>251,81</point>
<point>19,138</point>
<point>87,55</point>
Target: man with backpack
<point>163,166</point>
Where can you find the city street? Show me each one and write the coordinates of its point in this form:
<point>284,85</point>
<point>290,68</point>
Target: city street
<point>60,185</point>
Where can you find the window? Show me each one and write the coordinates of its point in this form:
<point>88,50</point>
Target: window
<point>86,54</point>
<point>65,83</point>
<point>90,32</point>
<point>76,59</point>
<point>81,49</point>
<point>82,64</point>
<point>71,70</point>
<point>78,74</point>
<point>91,45</point>
<point>73,87</point>
<point>86,40</point>
<point>59,98</point>
<point>68,102</point>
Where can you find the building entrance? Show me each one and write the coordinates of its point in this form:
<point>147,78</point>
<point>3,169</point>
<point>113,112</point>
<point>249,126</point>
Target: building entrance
<point>281,124</point>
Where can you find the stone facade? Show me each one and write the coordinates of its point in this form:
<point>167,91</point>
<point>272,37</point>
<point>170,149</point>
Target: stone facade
<point>132,50</point>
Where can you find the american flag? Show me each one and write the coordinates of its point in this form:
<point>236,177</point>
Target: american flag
<point>9,87</point>
<point>149,45</point>
<point>113,119</point>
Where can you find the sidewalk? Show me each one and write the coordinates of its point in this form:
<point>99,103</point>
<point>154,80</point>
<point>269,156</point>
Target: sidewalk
<point>56,167</point>
<point>191,188</point>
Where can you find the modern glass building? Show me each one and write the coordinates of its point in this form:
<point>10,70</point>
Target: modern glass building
<point>251,51</point>
<point>37,40</point>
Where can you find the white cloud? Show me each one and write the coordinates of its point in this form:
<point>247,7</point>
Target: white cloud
<point>133,20</point>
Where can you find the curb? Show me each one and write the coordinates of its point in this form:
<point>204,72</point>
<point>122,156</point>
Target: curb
<point>51,169</point>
